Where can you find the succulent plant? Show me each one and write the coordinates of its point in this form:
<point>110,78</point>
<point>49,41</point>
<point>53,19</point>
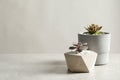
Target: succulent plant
<point>79,47</point>
<point>93,29</point>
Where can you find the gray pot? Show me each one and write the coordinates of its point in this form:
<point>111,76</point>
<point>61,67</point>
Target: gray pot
<point>99,44</point>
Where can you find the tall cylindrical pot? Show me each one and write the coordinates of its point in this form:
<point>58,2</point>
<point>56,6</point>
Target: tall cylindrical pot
<point>98,43</point>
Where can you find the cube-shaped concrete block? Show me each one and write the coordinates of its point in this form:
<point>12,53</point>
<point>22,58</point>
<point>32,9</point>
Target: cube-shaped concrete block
<point>80,62</point>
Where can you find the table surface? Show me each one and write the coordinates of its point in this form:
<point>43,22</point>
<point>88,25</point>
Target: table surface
<point>50,66</point>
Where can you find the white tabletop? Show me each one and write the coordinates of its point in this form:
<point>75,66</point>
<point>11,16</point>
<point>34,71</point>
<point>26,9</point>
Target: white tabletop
<point>52,67</point>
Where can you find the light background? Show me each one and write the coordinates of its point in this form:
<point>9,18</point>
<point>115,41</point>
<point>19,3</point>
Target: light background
<point>51,26</point>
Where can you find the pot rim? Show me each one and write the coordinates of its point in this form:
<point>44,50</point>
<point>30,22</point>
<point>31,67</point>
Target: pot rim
<point>104,33</point>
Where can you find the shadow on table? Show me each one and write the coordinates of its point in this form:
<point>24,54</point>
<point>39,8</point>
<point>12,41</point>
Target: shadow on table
<point>42,67</point>
<point>55,67</point>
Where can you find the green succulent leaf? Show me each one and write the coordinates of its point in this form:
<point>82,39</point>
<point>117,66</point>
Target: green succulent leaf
<point>94,29</point>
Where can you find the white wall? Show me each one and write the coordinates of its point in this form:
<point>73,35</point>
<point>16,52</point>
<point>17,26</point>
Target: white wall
<point>35,26</point>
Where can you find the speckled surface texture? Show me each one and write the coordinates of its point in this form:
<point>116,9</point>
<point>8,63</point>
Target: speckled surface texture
<point>52,67</point>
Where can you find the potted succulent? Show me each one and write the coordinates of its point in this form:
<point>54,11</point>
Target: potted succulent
<point>79,59</point>
<point>98,41</point>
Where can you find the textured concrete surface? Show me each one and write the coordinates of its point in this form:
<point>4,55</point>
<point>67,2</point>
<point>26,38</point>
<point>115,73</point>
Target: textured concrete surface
<point>52,67</point>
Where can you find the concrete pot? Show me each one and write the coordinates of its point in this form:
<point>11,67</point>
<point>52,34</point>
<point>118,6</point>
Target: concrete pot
<point>99,44</point>
<point>81,62</point>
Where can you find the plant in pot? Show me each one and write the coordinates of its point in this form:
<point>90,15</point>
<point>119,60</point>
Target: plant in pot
<point>79,59</point>
<point>98,41</point>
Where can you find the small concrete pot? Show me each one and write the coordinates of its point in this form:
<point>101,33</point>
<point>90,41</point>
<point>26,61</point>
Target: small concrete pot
<point>99,44</point>
<point>80,62</point>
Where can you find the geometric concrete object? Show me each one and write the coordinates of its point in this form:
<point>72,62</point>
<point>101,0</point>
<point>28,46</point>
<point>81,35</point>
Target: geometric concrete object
<point>80,62</point>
